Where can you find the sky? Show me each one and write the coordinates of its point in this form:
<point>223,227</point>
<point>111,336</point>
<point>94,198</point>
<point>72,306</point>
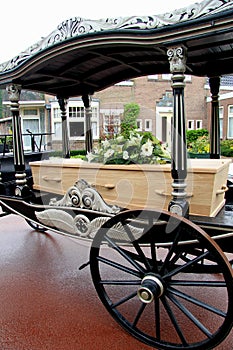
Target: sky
<point>24,22</point>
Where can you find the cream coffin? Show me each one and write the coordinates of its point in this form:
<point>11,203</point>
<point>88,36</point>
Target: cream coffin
<point>138,186</point>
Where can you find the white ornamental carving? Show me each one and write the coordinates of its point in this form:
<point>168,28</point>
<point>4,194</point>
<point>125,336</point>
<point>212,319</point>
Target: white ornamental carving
<point>78,26</point>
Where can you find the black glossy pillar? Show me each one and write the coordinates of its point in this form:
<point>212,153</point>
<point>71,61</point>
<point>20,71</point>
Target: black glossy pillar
<point>65,139</point>
<point>178,204</point>
<point>88,132</point>
<point>214,83</point>
<point>14,91</point>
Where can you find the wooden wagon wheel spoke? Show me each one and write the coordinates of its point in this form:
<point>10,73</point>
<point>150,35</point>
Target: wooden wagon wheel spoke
<point>181,293</point>
<point>196,301</point>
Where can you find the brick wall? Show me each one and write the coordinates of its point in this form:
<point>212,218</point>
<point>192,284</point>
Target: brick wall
<point>148,92</point>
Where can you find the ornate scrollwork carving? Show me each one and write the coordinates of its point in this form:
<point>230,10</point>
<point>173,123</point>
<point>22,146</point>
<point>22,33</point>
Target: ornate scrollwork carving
<point>62,103</point>
<point>177,59</point>
<point>82,195</point>
<point>78,26</point>
<point>81,225</point>
<point>13,91</point>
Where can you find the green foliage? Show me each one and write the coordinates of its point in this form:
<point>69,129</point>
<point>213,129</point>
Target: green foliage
<point>73,154</point>
<point>200,145</point>
<point>193,135</point>
<point>198,141</point>
<point>226,148</point>
<point>129,122</point>
<point>147,135</point>
<point>78,157</point>
<point>77,152</point>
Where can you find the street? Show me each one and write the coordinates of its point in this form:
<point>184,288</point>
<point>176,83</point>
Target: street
<point>46,302</point>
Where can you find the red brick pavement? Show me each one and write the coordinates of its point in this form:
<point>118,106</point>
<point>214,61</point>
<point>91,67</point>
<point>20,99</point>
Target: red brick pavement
<point>46,303</point>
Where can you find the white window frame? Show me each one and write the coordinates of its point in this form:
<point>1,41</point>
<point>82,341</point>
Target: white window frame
<point>221,113</point>
<point>192,124</point>
<point>166,76</point>
<point>230,116</point>
<point>26,117</point>
<point>152,77</point>
<point>150,125</point>
<point>115,116</point>
<point>56,120</point>
<point>139,124</point>
<point>125,83</point>
<point>200,122</point>
<point>188,78</point>
<point>79,117</point>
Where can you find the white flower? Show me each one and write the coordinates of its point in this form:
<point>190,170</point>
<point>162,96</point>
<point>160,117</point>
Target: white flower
<point>147,149</point>
<point>125,155</point>
<point>117,148</point>
<point>109,153</point>
<point>120,139</point>
<point>134,140</point>
<point>95,150</point>
<point>90,156</point>
<point>105,144</point>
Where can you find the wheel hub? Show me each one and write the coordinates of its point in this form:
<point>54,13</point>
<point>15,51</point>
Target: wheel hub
<point>151,287</point>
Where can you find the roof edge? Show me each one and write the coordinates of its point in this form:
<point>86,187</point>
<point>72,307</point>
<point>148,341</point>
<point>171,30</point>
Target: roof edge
<point>77,26</point>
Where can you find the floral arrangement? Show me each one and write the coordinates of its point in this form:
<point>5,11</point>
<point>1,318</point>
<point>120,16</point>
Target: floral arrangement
<point>200,145</point>
<point>137,148</point>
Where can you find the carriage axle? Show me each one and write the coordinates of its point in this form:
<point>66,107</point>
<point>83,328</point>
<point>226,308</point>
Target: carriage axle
<point>151,288</point>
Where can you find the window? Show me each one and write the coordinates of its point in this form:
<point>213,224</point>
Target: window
<point>190,124</point>
<point>111,124</point>
<point>56,113</point>
<point>166,76</point>
<point>148,125</point>
<point>139,124</point>
<point>30,112</point>
<point>76,129</point>
<point>198,124</point>
<point>188,78</point>
<point>125,83</point>
<point>221,122</point>
<point>76,112</point>
<point>94,128</point>
<point>230,122</point>
<point>57,130</point>
<point>112,121</point>
<point>152,77</point>
<point>94,111</point>
<point>75,119</point>
<point>33,125</point>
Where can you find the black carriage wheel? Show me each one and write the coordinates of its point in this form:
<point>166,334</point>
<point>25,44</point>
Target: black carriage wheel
<point>36,226</point>
<point>168,302</point>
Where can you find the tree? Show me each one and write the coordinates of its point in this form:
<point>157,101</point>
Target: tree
<point>129,122</point>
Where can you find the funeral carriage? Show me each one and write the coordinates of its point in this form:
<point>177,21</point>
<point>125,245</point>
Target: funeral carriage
<point>161,237</point>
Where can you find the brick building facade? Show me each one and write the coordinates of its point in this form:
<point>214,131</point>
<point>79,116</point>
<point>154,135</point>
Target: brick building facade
<point>225,107</point>
<point>154,96</point>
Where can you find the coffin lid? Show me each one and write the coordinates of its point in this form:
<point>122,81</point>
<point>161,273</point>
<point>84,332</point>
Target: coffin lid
<point>84,56</point>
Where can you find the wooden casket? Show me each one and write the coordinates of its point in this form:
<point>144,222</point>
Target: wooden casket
<point>138,186</point>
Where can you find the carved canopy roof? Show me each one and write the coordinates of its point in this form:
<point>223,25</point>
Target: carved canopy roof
<point>83,56</point>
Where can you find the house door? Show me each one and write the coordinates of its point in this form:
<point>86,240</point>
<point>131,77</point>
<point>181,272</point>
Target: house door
<point>164,129</point>
<point>33,126</point>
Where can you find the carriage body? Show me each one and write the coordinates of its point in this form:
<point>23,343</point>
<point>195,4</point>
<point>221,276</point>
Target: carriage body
<point>156,257</point>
